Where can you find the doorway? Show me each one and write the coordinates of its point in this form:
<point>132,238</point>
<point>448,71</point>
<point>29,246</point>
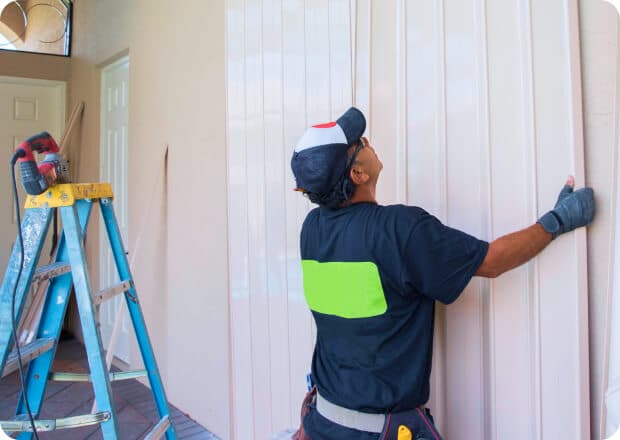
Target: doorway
<point>27,107</point>
<point>114,169</point>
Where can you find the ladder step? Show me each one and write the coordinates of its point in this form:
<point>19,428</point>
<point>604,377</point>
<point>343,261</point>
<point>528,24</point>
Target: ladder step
<point>22,423</point>
<point>159,430</point>
<point>28,352</point>
<point>82,377</point>
<point>50,271</point>
<point>111,292</point>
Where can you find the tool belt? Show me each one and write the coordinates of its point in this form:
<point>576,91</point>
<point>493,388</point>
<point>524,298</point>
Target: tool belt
<point>415,424</point>
<point>350,418</point>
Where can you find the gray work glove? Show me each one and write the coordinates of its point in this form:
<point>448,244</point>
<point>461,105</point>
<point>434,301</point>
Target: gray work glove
<point>572,210</point>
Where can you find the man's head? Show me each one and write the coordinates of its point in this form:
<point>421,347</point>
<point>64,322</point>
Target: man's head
<point>326,157</point>
<point>365,166</point>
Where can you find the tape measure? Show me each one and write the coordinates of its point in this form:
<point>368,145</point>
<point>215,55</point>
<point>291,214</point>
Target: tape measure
<point>404,433</point>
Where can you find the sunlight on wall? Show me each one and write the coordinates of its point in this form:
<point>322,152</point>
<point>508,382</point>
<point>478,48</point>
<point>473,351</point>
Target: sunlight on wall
<point>5,44</point>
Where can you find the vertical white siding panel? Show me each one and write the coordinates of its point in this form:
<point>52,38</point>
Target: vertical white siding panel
<point>425,105</point>
<point>582,329</point>
<point>426,145</point>
<point>576,117</point>
<point>601,104</point>
<point>361,37</point>
<point>463,320</point>
<point>400,109</point>
<point>486,207</point>
<point>560,152</point>
<point>509,308</point>
<point>295,122</point>
<point>463,141</point>
<point>276,155</point>
<point>384,96</point>
<point>237,218</point>
<point>531,179</point>
<point>610,417</point>
<point>255,169</point>
<point>318,79</point>
<point>340,56</point>
<point>318,62</point>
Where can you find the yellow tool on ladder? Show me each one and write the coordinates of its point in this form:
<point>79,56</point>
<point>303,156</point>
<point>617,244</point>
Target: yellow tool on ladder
<point>74,201</point>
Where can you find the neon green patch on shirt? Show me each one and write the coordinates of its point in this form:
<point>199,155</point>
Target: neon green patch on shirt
<point>345,289</point>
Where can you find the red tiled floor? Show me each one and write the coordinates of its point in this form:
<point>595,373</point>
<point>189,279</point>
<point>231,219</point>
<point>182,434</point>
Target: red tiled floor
<point>135,409</point>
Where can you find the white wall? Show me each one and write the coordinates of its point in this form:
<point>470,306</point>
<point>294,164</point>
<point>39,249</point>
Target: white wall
<point>177,98</point>
<point>475,108</point>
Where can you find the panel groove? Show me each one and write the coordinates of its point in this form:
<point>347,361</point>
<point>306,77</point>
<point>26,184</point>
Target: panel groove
<point>262,213</point>
<point>287,244</point>
<point>353,48</point>
<point>305,64</point>
<point>362,67</point>
<point>485,290</point>
<point>247,278</point>
<point>533,283</point>
<point>401,96</point>
<point>330,85</point>
<point>441,121</point>
<point>369,111</point>
<point>442,125</point>
<point>571,11</point>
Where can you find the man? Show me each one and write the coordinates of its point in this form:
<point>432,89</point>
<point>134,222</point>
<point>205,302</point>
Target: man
<point>372,275</point>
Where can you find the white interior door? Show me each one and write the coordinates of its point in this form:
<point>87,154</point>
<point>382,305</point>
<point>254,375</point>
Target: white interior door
<point>114,169</point>
<point>26,108</point>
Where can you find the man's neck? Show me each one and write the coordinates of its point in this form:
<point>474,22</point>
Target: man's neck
<point>363,194</point>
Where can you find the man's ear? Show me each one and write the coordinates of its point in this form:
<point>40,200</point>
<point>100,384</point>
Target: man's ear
<point>358,176</point>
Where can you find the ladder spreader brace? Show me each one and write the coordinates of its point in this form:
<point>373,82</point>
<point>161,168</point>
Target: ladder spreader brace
<point>74,201</point>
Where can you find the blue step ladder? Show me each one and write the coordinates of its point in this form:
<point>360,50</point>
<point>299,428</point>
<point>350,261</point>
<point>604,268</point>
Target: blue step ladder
<point>74,201</point>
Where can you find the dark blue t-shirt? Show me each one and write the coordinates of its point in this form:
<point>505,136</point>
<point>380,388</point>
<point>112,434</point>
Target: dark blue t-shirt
<point>371,277</point>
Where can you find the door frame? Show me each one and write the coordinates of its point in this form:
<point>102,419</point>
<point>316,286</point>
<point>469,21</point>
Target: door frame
<point>102,238</point>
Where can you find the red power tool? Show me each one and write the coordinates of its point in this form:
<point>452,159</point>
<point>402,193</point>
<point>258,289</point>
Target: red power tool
<point>53,169</point>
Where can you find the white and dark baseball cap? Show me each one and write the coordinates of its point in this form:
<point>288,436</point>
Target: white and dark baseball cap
<point>320,158</point>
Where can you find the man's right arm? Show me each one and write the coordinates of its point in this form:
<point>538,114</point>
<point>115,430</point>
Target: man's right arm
<point>512,250</point>
<point>572,210</point>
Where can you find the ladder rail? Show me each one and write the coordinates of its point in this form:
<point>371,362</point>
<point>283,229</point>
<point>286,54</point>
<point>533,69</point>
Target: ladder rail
<point>135,312</point>
<point>35,225</point>
<point>92,336</point>
<point>52,316</point>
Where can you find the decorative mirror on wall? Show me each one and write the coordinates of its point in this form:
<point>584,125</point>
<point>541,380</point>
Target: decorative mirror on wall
<point>40,26</point>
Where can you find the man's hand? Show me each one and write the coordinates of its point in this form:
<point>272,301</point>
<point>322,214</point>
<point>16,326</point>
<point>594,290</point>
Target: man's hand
<point>572,210</point>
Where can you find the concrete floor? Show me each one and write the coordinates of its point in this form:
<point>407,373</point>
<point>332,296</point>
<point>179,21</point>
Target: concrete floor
<point>135,408</point>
